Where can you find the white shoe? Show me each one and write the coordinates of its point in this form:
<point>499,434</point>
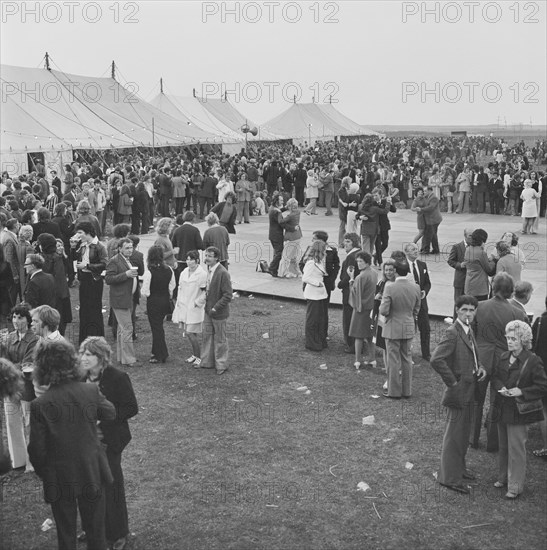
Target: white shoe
<point>384,387</point>
<point>191,359</point>
<point>197,363</point>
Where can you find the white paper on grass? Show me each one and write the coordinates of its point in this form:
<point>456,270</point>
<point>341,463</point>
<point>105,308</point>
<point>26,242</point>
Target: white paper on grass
<point>368,420</point>
<point>362,486</point>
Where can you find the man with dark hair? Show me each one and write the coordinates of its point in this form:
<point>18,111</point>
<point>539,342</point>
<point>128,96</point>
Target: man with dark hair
<point>300,177</point>
<point>490,321</point>
<point>418,270</point>
<point>18,347</point>
<point>186,237</point>
<point>64,447</point>
<point>45,225</point>
<point>40,287</point>
<point>91,257</point>
<point>217,310</point>
<point>352,243</point>
<point>400,306</point>
<point>165,191</point>
<point>455,260</point>
<point>456,360</point>
<point>433,218</point>
<point>121,276</point>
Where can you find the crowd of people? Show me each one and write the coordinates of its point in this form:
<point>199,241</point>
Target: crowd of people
<point>52,240</point>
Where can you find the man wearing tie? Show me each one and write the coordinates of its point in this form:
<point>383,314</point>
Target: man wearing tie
<point>456,360</point>
<point>419,271</point>
<point>217,310</point>
<point>121,276</point>
<point>455,259</point>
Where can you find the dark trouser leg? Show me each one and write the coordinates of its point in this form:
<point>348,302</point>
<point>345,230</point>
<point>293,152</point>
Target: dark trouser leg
<point>277,253</point>
<point>426,240</point>
<point>423,326</point>
<point>116,519</point>
<point>156,315</point>
<point>314,325</point>
<point>65,514</point>
<point>92,511</point>
<point>480,396</point>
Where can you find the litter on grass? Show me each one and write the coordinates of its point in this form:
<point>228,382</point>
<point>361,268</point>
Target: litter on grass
<point>368,420</point>
<point>302,388</point>
<point>362,486</point>
<point>409,465</point>
<point>323,366</point>
<point>375,396</point>
<point>47,525</point>
<point>307,392</point>
<point>266,336</point>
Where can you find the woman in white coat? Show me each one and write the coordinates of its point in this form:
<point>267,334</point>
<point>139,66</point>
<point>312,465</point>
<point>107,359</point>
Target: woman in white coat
<point>529,214</point>
<point>190,307</point>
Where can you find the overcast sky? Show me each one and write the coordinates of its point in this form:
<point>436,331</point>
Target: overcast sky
<point>478,60</point>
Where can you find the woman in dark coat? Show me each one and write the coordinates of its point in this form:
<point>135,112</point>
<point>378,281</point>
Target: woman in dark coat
<point>227,212</point>
<point>519,375</point>
<point>369,213</point>
<point>158,285</point>
<point>7,283</point>
<point>55,265</point>
<point>115,385</point>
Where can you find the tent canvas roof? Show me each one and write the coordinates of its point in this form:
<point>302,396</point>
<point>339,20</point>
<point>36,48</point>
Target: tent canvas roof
<point>302,120</point>
<point>223,111</point>
<point>190,108</point>
<point>44,109</point>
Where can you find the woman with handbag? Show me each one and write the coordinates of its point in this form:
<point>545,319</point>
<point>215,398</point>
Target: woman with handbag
<point>158,285</point>
<point>288,267</point>
<point>520,382</point>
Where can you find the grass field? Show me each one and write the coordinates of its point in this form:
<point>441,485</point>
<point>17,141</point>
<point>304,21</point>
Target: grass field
<point>245,461</point>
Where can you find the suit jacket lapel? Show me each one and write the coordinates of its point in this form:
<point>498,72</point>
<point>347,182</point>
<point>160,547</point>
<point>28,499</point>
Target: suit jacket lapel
<point>464,336</point>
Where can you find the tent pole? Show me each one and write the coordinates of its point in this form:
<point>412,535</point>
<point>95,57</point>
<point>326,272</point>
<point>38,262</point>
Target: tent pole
<point>153,137</point>
<point>161,85</point>
<point>113,73</point>
<point>47,62</point>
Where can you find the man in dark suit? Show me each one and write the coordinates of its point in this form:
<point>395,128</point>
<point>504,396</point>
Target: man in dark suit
<point>382,239</point>
<point>165,191</point>
<point>300,177</point>
<point>400,306</point>
<point>456,360</point>
<point>217,310</point>
<point>40,287</point>
<point>490,321</point>
<point>45,225</point>
<point>455,260</point>
<point>122,278</point>
<point>8,238</point>
<point>64,445</point>
<point>70,196</point>
<point>351,246</point>
<point>419,271</point>
<point>433,218</point>
<point>206,194</point>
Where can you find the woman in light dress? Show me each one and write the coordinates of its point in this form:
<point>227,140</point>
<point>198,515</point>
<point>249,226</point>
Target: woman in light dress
<point>288,267</point>
<point>190,307</point>
<point>529,214</point>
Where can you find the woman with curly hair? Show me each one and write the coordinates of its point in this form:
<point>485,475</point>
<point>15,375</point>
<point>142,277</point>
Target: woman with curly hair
<point>64,444</point>
<point>163,229</point>
<point>115,385</point>
<point>518,378</point>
